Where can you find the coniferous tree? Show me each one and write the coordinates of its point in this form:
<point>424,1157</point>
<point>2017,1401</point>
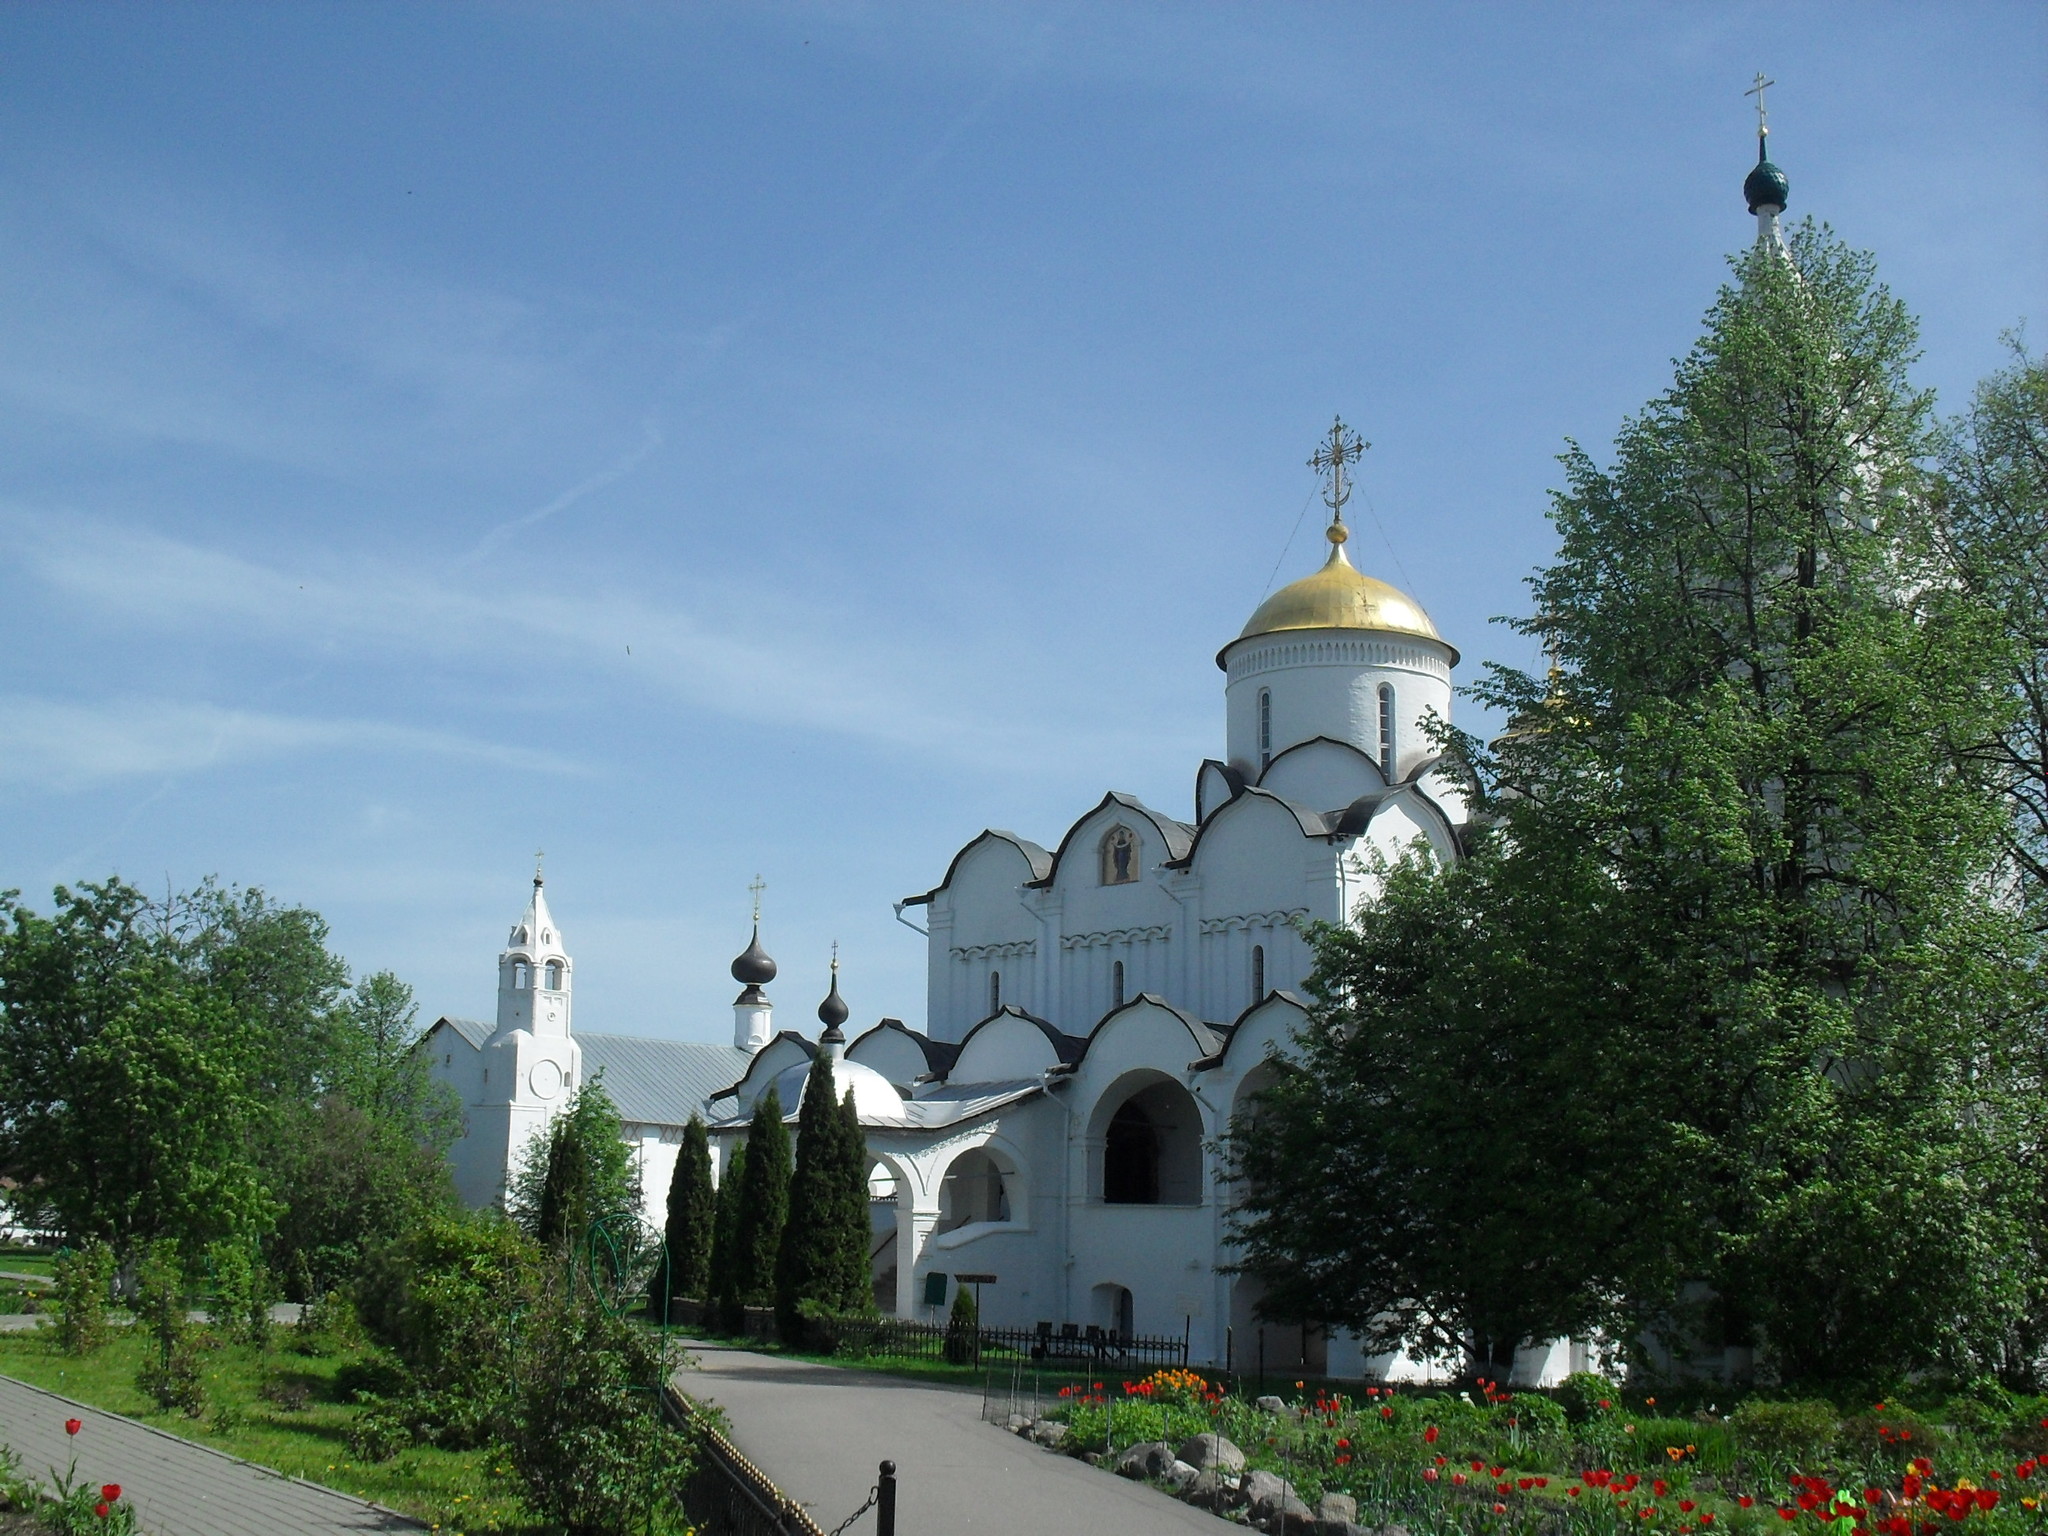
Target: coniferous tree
<point>810,1265</point>
<point>764,1205</point>
<point>685,1269</point>
<point>856,1276</point>
<point>723,1282</point>
<point>1733,930</point>
<point>576,1171</point>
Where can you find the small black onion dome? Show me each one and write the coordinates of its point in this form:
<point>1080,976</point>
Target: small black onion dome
<point>1766,184</point>
<point>754,968</point>
<point>833,1012</point>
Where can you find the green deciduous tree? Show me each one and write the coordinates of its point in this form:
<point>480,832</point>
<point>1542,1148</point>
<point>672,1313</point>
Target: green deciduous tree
<point>692,1203</point>
<point>1731,958</point>
<point>130,1102</point>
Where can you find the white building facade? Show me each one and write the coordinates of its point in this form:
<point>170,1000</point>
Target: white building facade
<point>1096,1011</point>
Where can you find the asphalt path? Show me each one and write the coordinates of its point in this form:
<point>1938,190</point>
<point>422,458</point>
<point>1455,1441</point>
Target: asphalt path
<point>821,1432</point>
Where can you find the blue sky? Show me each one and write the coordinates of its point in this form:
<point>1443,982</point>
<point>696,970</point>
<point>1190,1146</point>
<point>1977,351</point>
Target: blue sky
<point>701,440</point>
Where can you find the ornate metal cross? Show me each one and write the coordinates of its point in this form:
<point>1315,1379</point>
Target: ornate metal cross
<point>757,885</point>
<point>1343,447</point>
<point>1757,90</point>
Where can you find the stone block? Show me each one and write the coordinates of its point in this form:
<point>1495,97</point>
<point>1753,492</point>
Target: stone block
<point>1148,1459</point>
<point>1265,1492</point>
<point>1212,1453</point>
<point>1337,1509</point>
<point>1213,1491</point>
<point>1179,1475</point>
<point>1270,1404</point>
<point>1049,1433</point>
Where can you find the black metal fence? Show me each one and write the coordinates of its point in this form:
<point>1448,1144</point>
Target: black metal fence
<point>1068,1346</point>
<point>727,1495</point>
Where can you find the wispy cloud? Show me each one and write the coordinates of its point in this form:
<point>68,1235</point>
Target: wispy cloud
<point>780,662</point>
<point>64,744</point>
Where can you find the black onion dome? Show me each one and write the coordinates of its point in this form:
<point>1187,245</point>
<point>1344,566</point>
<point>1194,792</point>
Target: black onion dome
<point>1766,185</point>
<point>754,968</point>
<point>833,1012</point>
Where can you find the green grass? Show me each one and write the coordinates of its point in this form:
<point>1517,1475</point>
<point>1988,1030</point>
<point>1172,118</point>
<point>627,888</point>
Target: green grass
<point>26,1261</point>
<point>456,1491</point>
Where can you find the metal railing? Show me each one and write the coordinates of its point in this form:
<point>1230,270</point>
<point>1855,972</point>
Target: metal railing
<point>1070,1346</point>
<point>727,1495</point>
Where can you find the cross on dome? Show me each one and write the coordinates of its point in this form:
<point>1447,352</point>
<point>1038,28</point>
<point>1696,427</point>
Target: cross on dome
<point>1343,447</point>
<point>1763,127</point>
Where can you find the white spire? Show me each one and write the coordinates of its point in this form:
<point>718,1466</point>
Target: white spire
<point>534,971</point>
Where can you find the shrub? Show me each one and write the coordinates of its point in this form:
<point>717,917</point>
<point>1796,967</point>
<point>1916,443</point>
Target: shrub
<point>84,1276</point>
<point>171,1376</point>
<point>446,1302</point>
<point>963,1325</point>
<point>242,1293</point>
<point>584,1429</point>
<point>327,1325</point>
<point>1584,1394</point>
<point>378,1433</point>
<point>1890,1435</point>
<point>1794,1435</point>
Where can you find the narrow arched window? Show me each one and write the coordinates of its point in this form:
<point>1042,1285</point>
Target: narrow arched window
<point>995,991</point>
<point>1258,971</point>
<point>554,976</point>
<point>1120,856</point>
<point>519,975</point>
<point>1387,731</point>
<point>1116,984</point>
<point>1265,728</point>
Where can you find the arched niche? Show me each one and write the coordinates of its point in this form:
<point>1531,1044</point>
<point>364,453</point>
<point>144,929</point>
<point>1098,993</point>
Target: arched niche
<point>978,1187</point>
<point>1146,1134</point>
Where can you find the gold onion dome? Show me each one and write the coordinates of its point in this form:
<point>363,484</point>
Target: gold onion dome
<point>1340,596</point>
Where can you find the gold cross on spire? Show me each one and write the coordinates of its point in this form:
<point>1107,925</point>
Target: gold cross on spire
<point>757,885</point>
<point>1763,128</point>
<point>1343,448</point>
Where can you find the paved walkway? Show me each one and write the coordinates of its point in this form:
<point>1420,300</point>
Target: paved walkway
<point>178,1488</point>
<point>820,1432</point>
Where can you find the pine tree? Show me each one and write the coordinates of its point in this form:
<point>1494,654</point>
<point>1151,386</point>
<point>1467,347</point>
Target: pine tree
<point>809,1268</point>
<point>686,1267</point>
<point>764,1205</point>
<point>723,1282</point>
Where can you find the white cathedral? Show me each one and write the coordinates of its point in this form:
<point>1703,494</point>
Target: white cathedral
<point>1096,1011</point>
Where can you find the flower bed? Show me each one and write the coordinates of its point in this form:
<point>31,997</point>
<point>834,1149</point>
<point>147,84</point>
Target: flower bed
<point>1495,1462</point>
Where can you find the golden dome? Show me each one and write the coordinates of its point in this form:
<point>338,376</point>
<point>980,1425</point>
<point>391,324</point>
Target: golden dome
<point>1339,596</point>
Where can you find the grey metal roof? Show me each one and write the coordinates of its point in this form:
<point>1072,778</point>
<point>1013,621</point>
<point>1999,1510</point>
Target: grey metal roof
<point>475,1031</point>
<point>660,1082</point>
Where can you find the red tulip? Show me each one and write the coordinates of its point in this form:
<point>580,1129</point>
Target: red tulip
<point>1500,1509</point>
<point>1687,1505</point>
<point>1707,1518</point>
<point>1572,1492</point>
<point>73,1426</point>
<point>110,1491</point>
<point>1787,1514</point>
<point>1458,1478</point>
<point>1430,1474</point>
<point>1429,1435</point>
<point>101,1509</point>
<point>1525,1483</point>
